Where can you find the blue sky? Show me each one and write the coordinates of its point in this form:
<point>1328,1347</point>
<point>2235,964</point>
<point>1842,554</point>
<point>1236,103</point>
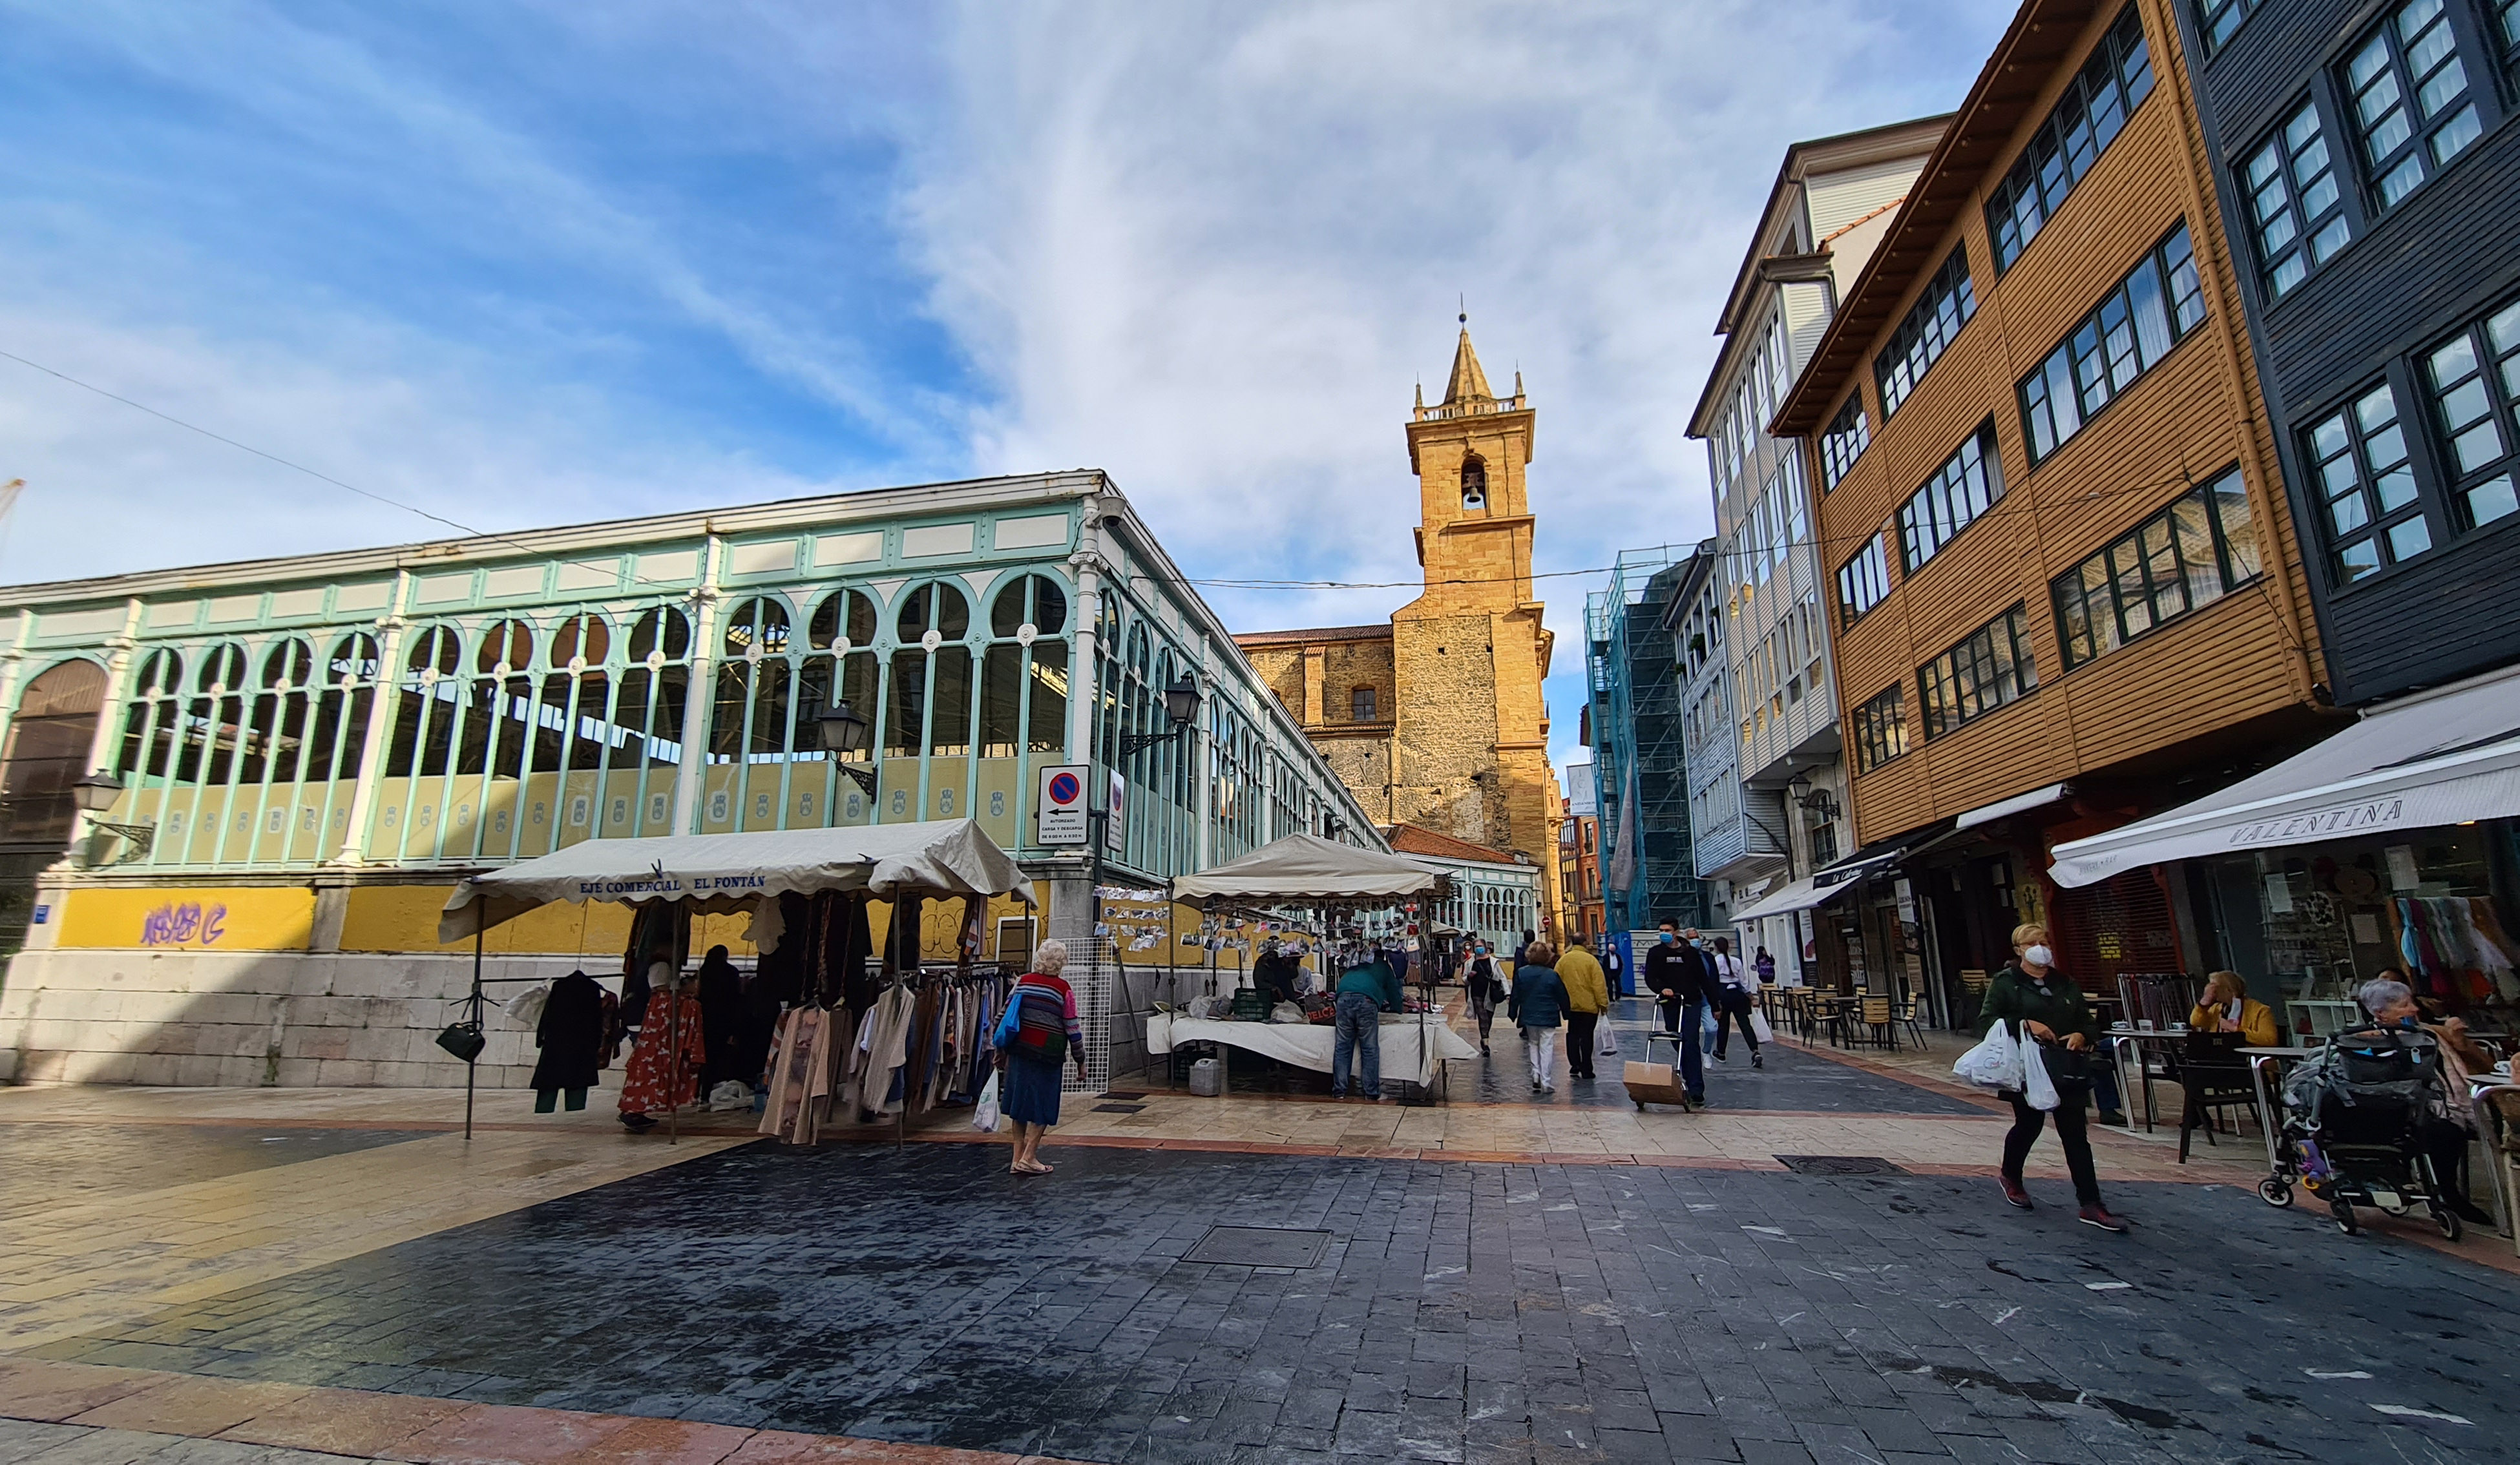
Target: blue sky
<point>526,264</point>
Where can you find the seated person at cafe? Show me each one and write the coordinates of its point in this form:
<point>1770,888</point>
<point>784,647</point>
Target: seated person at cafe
<point>2228,1007</point>
<point>2392,1004</point>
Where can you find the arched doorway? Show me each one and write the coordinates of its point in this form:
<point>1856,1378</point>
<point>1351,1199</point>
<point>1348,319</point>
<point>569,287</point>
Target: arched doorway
<point>46,752</point>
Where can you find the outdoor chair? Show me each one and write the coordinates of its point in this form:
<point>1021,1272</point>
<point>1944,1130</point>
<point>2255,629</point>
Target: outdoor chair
<point>2212,1074</point>
<point>2503,1147</point>
<point>1910,1018</point>
<point>1881,1023</point>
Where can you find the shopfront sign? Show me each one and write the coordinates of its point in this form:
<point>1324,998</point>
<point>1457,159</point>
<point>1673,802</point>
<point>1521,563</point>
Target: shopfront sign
<point>1115,818</point>
<point>1063,806</point>
<point>2322,823</point>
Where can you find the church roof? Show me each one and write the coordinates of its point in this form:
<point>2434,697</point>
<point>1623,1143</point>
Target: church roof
<point>1317,633</point>
<point>1468,383</point>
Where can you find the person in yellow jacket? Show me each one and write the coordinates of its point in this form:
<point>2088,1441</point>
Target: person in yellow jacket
<point>2228,1007</point>
<point>1588,997</point>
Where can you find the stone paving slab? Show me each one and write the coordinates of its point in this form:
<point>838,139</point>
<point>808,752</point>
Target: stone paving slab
<point>1464,1312</point>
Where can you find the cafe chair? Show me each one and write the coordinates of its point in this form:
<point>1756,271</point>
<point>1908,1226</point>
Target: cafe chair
<point>1881,1023</point>
<point>1908,1019</point>
<point>2212,1074</point>
<point>2502,1143</point>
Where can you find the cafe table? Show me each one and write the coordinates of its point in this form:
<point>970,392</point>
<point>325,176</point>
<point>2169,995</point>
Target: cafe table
<point>2126,1041</point>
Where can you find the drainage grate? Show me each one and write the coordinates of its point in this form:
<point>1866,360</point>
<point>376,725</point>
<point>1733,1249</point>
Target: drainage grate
<point>1260,1246</point>
<point>1839,1165</point>
<point>1119,1108</point>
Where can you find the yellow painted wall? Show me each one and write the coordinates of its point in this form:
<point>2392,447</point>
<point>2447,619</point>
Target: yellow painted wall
<point>241,919</point>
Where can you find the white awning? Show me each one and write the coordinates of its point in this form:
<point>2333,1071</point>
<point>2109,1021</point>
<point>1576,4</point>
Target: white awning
<point>2021,803</point>
<point>1801,895</point>
<point>727,872</point>
<point>1306,868</point>
<point>2450,756</point>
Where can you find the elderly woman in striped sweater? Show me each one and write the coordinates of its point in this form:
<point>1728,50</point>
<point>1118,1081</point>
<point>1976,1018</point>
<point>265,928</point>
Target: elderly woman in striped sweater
<point>1039,1028</point>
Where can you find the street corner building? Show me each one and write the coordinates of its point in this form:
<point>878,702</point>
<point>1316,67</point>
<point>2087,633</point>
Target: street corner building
<point>1436,719</point>
<point>312,752</point>
<point>2065,586</point>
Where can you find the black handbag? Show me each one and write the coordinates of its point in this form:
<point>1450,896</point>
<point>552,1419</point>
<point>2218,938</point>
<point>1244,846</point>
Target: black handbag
<point>2068,1067</point>
<point>463,1040</point>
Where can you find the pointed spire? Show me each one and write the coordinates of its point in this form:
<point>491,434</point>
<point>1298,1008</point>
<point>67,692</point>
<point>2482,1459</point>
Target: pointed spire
<point>1468,383</point>
<point>1518,384</point>
<point>1421,397</point>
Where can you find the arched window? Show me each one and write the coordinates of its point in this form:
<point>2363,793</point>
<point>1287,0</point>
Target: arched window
<point>1023,678</point>
<point>47,752</point>
<point>929,703</point>
<point>752,722</point>
<point>843,632</point>
<point>1475,482</point>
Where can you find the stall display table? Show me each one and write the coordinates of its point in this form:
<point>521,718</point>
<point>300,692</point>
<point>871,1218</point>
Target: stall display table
<point>1411,1048</point>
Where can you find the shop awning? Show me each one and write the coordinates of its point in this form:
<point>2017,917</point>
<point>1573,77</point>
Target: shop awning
<point>2449,756</point>
<point>1801,895</point>
<point>1837,879</point>
<point>2020,803</point>
<point>728,872</point>
<point>1306,868</point>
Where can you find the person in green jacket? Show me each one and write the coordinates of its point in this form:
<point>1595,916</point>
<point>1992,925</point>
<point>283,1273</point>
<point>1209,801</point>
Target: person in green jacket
<point>2034,1001</point>
<point>1366,991</point>
<point>1536,1007</point>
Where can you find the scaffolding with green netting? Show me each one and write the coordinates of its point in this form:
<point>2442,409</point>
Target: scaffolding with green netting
<point>1641,773</point>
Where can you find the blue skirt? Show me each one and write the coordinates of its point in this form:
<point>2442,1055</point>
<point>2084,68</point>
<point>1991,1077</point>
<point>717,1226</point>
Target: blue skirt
<point>1028,1092</point>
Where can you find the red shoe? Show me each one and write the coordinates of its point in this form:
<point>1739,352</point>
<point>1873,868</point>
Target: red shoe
<point>2099,1216</point>
<point>2013,1192</point>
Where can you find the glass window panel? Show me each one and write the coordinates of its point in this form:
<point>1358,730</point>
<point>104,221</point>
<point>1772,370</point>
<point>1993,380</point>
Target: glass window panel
<point>2408,538</point>
<point>2191,519</point>
<point>2491,500</point>
<point>2356,559</point>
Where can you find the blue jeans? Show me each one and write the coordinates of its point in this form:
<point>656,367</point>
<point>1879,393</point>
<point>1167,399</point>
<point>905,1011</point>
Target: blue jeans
<point>1689,1018</point>
<point>1359,1027</point>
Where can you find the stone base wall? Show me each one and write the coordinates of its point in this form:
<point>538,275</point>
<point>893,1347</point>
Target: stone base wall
<point>256,1019</point>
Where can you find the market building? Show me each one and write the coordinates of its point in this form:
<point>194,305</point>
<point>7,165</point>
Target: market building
<point>1496,895</point>
<point>2065,587</point>
<point>312,751</point>
<point>1390,706</point>
<point>1768,782</point>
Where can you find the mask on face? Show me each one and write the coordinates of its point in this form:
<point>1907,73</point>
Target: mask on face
<point>1668,938</point>
<point>1698,942</point>
<point>2039,956</point>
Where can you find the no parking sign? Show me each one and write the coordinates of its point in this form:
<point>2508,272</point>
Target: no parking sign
<point>1062,804</point>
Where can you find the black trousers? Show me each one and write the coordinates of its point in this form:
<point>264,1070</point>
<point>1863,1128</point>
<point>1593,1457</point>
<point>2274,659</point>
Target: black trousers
<point>2070,1132</point>
<point>1579,1044</point>
<point>1732,1008</point>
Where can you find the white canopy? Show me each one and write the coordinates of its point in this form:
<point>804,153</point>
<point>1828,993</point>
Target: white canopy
<point>727,872</point>
<point>1302,867</point>
<point>2448,756</point>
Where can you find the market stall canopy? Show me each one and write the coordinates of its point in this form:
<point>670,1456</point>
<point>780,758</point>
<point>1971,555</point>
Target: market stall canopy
<point>2449,756</point>
<point>728,872</point>
<point>1306,868</point>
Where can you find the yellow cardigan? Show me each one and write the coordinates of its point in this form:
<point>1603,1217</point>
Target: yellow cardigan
<point>2257,1021</point>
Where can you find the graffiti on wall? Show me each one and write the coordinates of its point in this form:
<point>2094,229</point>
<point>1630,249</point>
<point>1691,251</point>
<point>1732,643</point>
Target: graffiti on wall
<point>185,923</point>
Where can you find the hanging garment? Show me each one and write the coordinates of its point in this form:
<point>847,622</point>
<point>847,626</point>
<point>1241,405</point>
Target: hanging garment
<point>721,999</point>
<point>800,1077</point>
<point>661,1076</point>
<point>2493,947</point>
<point>883,1048</point>
<point>570,1035</point>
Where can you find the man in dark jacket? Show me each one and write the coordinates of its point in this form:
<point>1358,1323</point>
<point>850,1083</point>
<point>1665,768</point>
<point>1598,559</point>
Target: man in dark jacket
<point>1676,974</point>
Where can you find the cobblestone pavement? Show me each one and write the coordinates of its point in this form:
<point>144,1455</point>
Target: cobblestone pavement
<point>1465,1311</point>
<point>50,1165</point>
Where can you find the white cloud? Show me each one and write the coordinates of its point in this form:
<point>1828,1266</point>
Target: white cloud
<point>1212,248</point>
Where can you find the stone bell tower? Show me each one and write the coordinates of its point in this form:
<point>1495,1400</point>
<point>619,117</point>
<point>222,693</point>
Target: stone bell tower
<point>1470,744</point>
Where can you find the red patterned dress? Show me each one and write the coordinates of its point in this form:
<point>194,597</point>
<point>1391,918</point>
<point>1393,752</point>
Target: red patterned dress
<point>652,1084</point>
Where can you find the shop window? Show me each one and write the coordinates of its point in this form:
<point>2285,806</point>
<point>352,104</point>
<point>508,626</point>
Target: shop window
<point>1967,484</point>
<point>2409,92</point>
<point>1474,483</point>
<point>2151,311</point>
<point>2371,514</point>
<point>47,752</point>
<point>2296,210</point>
<point>1931,322</point>
<point>1863,583</point>
<point>1880,729</point>
<point>2475,381</point>
<point>1992,668</point>
<point>2218,19</point>
<point>2198,549</point>
<point>1360,704</point>
<point>2086,120</point>
<point>1847,436</point>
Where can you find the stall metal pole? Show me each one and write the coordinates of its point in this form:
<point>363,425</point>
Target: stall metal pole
<point>674,1035</point>
<point>472,1068</point>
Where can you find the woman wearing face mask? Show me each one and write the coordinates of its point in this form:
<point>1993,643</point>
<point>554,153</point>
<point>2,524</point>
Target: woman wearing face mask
<point>2038,1003</point>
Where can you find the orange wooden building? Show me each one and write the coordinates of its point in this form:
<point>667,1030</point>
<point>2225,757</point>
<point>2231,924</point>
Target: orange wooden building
<point>2063,582</point>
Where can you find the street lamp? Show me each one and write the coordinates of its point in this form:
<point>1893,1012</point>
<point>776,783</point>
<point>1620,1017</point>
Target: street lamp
<point>96,793</point>
<point>844,732</point>
<point>1181,709</point>
<point>1818,801</point>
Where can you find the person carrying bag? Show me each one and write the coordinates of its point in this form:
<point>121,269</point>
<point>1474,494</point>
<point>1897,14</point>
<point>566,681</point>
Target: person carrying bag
<point>2059,1041</point>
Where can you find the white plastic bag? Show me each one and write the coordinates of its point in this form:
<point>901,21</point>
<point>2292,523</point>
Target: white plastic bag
<point>1995,1063</point>
<point>1759,1028</point>
<point>1608,1045</point>
<point>986,1118</point>
<point>2036,1087</point>
<point>525,1009</point>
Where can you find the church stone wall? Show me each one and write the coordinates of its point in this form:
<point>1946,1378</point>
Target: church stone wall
<point>1350,664</point>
